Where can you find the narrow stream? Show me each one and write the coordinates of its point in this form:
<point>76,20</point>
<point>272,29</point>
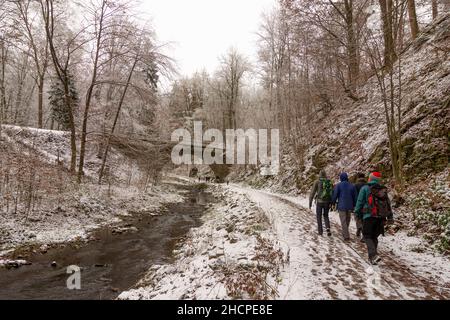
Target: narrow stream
<point>113,263</point>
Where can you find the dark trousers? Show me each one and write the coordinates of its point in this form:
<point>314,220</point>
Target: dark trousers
<point>322,209</point>
<point>372,229</point>
<point>359,226</point>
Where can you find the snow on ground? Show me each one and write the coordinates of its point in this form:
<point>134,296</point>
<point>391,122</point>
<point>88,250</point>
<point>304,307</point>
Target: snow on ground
<point>319,268</point>
<point>51,145</point>
<point>253,244</point>
<point>76,214</point>
<point>411,250</point>
<point>67,211</point>
<point>353,138</point>
<point>309,266</point>
<point>54,147</point>
<point>7,263</point>
<point>339,269</point>
<point>231,255</point>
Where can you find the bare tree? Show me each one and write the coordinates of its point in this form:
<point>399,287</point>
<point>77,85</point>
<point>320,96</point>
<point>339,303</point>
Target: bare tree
<point>232,69</point>
<point>387,20</point>
<point>273,53</point>
<point>39,49</point>
<point>116,118</point>
<point>104,15</point>
<point>2,81</point>
<point>61,49</point>
<point>22,91</point>
<point>3,55</point>
<point>434,8</point>
<point>347,15</point>
<point>341,22</point>
<point>413,24</point>
<point>390,88</point>
<point>147,56</point>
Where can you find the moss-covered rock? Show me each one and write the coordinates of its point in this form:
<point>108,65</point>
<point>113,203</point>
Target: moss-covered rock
<point>320,159</point>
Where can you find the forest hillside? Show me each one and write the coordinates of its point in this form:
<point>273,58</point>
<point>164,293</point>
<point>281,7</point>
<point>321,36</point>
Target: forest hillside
<point>352,137</point>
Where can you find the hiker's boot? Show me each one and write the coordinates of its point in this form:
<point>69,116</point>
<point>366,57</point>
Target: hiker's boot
<point>373,261</point>
<point>329,232</point>
<point>376,259</point>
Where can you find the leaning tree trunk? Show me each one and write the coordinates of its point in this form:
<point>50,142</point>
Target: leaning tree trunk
<point>89,95</point>
<point>119,108</point>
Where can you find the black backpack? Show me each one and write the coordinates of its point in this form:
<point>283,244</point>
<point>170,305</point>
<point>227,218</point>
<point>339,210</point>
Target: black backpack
<point>378,202</point>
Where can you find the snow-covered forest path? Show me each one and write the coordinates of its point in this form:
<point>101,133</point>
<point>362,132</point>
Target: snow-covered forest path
<point>328,268</point>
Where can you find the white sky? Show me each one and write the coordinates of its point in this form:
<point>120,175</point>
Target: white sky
<point>203,30</point>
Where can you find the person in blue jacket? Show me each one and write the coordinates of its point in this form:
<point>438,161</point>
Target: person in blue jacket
<point>345,197</point>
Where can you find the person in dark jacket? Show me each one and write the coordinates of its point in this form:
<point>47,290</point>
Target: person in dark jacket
<point>323,201</point>
<point>360,182</point>
<point>373,227</point>
<point>345,196</point>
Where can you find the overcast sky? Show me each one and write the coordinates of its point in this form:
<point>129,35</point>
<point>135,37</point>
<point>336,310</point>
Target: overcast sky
<point>202,30</point>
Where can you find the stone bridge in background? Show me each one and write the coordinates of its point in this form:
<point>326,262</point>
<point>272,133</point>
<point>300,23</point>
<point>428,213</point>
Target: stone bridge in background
<point>221,171</point>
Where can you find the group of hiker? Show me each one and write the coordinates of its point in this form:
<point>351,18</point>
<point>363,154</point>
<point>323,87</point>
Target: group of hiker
<point>367,200</point>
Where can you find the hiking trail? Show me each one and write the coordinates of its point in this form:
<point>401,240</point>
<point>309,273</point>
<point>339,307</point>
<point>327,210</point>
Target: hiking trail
<point>322,267</point>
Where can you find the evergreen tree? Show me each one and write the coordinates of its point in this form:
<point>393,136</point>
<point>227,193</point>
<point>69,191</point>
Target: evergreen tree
<point>59,110</point>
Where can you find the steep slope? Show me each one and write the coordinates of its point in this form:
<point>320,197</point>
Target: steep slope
<point>353,136</point>
<point>40,202</point>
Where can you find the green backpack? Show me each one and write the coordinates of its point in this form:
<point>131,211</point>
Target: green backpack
<point>325,190</point>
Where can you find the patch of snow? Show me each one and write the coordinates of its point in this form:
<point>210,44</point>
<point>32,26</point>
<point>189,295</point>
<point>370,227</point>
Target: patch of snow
<point>226,241</point>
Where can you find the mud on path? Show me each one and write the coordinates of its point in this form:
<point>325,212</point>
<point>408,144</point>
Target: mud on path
<point>114,261</point>
<point>329,268</point>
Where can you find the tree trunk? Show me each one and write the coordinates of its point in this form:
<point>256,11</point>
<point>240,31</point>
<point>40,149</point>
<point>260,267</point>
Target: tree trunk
<point>73,140</point>
<point>434,8</point>
<point>386,18</point>
<point>101,144</point>
<point>119,108</point>
<point>63,75</point>
<point>40,101</point>
<point>20,84</point>
<point>413,24</point>
<point>393,124</point>
<point>2,84</point>
<point>352,50</point>
<point>89,95</point>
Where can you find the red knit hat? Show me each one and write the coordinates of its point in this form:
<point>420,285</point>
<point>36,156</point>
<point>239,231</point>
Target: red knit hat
<point>375,176</point>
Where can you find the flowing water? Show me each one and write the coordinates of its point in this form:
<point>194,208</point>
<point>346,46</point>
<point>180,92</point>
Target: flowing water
<point>111,264</point>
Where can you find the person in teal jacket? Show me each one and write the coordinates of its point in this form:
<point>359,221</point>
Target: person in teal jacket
<point>373,227</point>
